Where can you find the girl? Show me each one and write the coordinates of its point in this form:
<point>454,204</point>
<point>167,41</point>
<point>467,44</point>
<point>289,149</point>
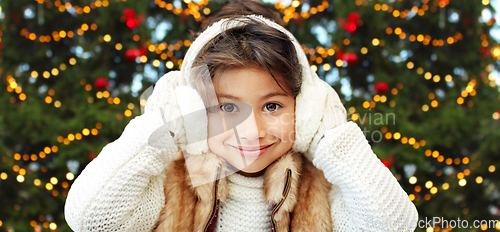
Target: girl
<point>245,137</point>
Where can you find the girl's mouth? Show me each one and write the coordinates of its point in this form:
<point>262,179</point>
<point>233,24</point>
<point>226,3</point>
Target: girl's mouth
<point>251,152</point>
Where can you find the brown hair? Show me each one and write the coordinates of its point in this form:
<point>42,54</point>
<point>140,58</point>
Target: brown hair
<point>254,43</point>
<point>243,7</point>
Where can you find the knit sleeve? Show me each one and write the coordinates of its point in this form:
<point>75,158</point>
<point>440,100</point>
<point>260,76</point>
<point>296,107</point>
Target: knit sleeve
<point>122,189</point>
<point>365,195</point>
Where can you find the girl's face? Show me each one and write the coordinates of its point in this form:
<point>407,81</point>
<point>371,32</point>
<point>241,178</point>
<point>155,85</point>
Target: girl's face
<point>255,122</point>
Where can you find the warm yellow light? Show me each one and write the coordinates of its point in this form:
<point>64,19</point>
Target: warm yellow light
<point>412,180</point>
<point>495,52</point>
<point>396,13</point>
<point>70,176</point>
<point>169,64</point>
<point>128,113</point>
<point>22,96</point>
<point>428,184</point>
<point>49,186</point>
<point>434,103</point>
<point>295,3</point>
<point>448,78</point>
<point>206,11</point>
<point>479,179</point>
<point>3,176</point>
<point>53,226</point>
<point>48,100</point>
<point>156,63</point>
<point>462,182</point>
<point>72,61</point>
<point>105,94</point>
<point>434,190</point>
<point>85,27</point>
<point>428,75</point>
<point>412,197</point>
<point>364,50</point>
<point>144,59</point>
<point>34,74</point>
<point>339,63</point>
<point>94,131</point>
<point>383,98</point>
<point>491,168</point>
<point>46,74</point>
<point>495,115</point>
<point>326,67</point>
<point>460,175</point>
<point>460,100</point>
<point>375,42</point>
<point>397,135</point>
<point>314,68</point>
<point>425,108</point>
<point>436,78</point>
<point>57,104</point>
<point>435,154</point>
<point>486,2</point>
<point>118,46</point>
<point>20,178</point>
<point>71,137</point>
<point>410,65</point>
<point>446,186</point>
<point>107,38</point>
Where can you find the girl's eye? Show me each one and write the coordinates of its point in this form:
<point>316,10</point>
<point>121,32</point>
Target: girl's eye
<point>229,107</point>
<point>271,107</point>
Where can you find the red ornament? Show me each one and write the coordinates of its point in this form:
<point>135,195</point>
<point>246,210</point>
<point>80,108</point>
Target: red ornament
<point>350,27</point>
<point>381,87</point>
<point>350,58</point>
<point>1,46</point>
<point>386,163</point>
<point>134,53</point>
<point>351,24</point>
<point>133,23</point>
<point>129,13</point>
<point>101,83</point>
<point>353,17</point>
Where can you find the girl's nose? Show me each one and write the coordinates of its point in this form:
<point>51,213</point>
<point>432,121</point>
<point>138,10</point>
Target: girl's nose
<point>252,129</point>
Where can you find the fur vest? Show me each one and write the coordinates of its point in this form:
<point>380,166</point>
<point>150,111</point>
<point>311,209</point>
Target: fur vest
<point>297,190</point>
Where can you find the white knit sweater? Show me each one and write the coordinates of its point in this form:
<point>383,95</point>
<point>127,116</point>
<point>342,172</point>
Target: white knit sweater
<point>245,209</point>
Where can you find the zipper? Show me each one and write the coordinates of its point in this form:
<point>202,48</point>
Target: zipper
<point>216,201</point>
<point>285,194</point>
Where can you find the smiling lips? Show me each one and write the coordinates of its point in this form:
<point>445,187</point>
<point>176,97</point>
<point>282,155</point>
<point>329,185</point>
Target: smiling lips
<point>251,152</point>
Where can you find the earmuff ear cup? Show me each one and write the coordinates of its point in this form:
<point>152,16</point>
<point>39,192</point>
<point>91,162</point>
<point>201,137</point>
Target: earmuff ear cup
<point>334,115</point>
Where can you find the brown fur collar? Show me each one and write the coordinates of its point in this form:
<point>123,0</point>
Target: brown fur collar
<point>297,189</point>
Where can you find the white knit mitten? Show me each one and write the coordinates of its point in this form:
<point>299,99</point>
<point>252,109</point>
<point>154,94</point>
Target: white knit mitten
<point>365,196</point>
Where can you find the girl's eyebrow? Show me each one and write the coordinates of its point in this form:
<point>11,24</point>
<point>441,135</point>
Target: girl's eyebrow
<point>269,95</point>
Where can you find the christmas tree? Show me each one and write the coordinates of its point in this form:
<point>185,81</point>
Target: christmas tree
<point>420,77</point>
